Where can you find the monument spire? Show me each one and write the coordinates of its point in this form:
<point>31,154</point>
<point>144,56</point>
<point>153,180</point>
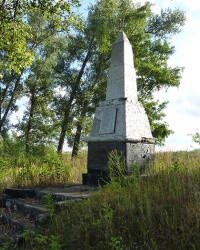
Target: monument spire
<point>122,76</point>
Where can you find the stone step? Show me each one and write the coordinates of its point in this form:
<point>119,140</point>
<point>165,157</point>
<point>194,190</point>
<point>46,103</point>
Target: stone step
<point>29,207</point>
<point>21,214</point>
<point>6,235</point>
<point>12,226</point>
<point>18,193</point>
<point>74,192</point>
<point>16,221</point>
<point>25,208</point>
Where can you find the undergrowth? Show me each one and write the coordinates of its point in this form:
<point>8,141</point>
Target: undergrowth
<point>51,169</point>
<point>157,211</point>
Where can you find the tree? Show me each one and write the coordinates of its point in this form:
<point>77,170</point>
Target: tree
<point>81,82</point>
<point>76,62</point>
<point>75,84</point>
<point>19,40</point>
<point>149,35</point>
<point>14,30</point>
<point>196,137</point>
<point>10,87</point>
<point>38,125</point>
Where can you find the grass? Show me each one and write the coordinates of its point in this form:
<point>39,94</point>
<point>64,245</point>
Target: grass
<point>158,211</point>
<point>50,170</point>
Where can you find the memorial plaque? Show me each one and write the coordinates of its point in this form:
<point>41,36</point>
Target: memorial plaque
<point>108,121</point>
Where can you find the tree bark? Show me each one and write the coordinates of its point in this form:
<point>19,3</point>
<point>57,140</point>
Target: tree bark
<point>85,110</point>
<point>2,121</point>
<point>65,122</point>
<point>79,129</point>
<point>30,121</point>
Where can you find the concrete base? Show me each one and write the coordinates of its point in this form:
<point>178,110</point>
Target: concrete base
<point>134,153</point>
<point>95,179</point>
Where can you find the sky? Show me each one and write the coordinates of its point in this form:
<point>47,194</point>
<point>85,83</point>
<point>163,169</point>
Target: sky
<point>183,110</point>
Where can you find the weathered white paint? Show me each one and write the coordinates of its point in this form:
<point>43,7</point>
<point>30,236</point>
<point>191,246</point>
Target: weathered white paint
<point>122,76</point>
<point>108,121</point>
<point>121,117</point>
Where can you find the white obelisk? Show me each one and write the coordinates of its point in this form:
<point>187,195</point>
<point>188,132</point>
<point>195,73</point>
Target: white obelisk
<point>120,122</point>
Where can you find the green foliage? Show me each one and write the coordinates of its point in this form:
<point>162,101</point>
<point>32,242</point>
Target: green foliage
<point>42,168</point>
<point>27,27</point>
<point>154,110</point>
<point>54,243</point>
<point>7,245</point>
<point>36,240</point>
<point>45,171</point>
<point>49,204</point>
<point>68,75</point>
<point>196,137</point>
<point>11,146</point>
<point>115,243</point>
<point>13,47</point>
<point>117,167</point>
<point>14,30</point>
<point>166,23</point>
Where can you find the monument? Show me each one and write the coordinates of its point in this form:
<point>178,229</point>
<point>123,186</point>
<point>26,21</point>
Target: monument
<point>120,122</point>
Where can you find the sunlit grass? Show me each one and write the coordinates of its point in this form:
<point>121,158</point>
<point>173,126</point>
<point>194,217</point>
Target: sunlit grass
<point>157,211</point>
<point>51,170</point>
<point>160,210</point>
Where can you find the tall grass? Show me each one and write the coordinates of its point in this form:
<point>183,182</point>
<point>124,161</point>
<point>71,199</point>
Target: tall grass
<point>156,211</point>
<point>42,167</point>
<point>51,169</point>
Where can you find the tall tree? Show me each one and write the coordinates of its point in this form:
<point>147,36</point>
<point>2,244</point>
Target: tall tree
<point>150,36</point>
<point>81,76</point>
<point>78,67</point>
<point>85,56</point>
<point>19,40</point>
<point>38,125</point>
<point>10,91</point>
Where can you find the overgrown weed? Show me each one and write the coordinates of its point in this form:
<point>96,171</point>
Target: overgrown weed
<point>51,169</point>
<point>159,210</point>
<point>156,211</point>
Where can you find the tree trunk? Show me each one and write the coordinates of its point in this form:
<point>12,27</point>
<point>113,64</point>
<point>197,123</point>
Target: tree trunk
<point>72,97</point>
<point>30,120</point>
<point>2,121</point>
<point>77,139</point>
<point>84,111</point>
<point>79,129</point>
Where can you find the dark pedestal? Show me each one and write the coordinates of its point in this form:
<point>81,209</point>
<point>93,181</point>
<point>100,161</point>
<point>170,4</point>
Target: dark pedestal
<point>134,153</point>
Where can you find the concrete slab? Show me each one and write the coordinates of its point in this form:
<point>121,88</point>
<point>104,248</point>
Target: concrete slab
<point>69,192</point>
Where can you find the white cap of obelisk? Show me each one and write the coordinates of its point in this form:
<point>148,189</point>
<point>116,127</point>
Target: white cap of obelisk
<point>122,76</point>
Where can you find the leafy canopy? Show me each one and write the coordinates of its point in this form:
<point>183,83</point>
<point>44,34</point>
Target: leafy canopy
<point>14,30</point>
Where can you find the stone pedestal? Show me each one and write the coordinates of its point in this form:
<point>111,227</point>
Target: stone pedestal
<point>136,153</point>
